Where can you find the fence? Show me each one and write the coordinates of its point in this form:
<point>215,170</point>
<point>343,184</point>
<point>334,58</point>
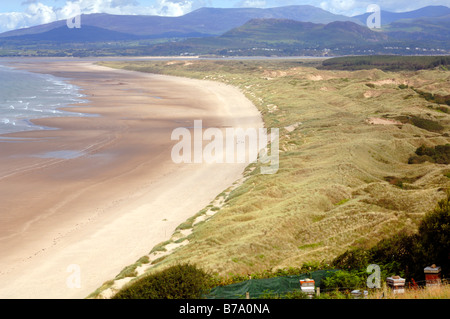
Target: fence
<point>273,288</point>
<point>258,288</point>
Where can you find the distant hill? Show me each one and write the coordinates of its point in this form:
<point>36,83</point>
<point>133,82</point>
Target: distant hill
<point>386,63</point>
<point>283,31</point>
<point>84,34</point>
<point>422,29</point>
<point>390,17</point>
<point>204,21</point>
<point>278,36</point>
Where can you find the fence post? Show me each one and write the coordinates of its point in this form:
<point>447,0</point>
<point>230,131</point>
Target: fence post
<point>318,291</point>
<point>247,295</point>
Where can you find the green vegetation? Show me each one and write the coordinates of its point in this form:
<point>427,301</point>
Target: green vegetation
<point>401,182</point>
<point>435,98</point>
<point>426,124</point>
<point>439,154</point>
<point>402,254</point>
<point>343,183</point>
<point>343,280</point>
<point>177,282</point>
<point>387,63</point>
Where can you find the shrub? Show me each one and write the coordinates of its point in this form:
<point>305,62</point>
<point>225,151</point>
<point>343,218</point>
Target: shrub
<point>343,280</point>
<point>177,282</point>
<point>357,258</point>
<point>400,254</point>
<point>439,154</point>
<point>420,159</point>
<point>425,124</point>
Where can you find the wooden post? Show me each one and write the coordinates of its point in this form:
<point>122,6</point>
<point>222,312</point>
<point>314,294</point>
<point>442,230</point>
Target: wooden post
<point>318,291</point>
<point>247,295</point>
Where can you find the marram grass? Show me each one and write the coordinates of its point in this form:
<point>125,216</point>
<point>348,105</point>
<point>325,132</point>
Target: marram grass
<point>332,190</point>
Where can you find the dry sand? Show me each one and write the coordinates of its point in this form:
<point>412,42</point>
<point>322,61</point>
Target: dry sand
<point>121,194</point>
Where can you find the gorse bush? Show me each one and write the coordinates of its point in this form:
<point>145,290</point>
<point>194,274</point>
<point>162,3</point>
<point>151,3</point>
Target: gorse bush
<point>177,282</point>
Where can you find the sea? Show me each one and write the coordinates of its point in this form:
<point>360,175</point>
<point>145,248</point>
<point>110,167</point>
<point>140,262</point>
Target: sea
<point>25,96</point>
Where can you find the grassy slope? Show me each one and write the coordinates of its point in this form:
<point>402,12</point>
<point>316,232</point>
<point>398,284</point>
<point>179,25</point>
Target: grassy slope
<point>331,191</point>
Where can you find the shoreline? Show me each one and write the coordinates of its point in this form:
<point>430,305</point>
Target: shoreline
<point>104,209</point>
<point>67,101</point>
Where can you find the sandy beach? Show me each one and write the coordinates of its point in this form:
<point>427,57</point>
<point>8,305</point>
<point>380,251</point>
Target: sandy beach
<point>99,192</point>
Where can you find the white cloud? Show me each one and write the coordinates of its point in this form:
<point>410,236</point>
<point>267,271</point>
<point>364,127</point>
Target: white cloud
<point>252,4</point>
<point>345,7</point>
<point>36,13</point>
<point>352,7</point>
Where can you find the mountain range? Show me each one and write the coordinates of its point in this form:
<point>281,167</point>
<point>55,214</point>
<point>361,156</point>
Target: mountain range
<point>289,30</point>
<point>206,21</point>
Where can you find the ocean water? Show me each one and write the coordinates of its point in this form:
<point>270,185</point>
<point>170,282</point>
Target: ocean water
<point>25,96</point>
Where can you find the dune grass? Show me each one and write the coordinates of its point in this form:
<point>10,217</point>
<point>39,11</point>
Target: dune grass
<point>331,191</point>
<point>437,292</point>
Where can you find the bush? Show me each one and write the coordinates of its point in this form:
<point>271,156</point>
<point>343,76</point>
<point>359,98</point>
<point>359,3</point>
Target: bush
<point>177,282</point>
<point>439,154</point>
<point>344,280</point>
<point>357,258</point>
<point>425,124</point>
<point>400,255</point>
<point>420,159</point>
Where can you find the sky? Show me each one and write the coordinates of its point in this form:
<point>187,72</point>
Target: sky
<point>15,14</point>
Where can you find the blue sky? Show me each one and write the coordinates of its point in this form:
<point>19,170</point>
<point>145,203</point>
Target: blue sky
<point>16,14</point>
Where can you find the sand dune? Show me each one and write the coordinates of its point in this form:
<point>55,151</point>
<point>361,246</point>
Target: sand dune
<point>100,192</point>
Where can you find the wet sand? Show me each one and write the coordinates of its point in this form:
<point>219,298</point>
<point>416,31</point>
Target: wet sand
<point>99,192</point>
